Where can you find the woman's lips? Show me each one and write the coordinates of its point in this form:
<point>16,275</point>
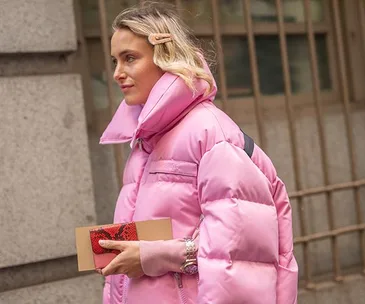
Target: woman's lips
<point>126,87</point>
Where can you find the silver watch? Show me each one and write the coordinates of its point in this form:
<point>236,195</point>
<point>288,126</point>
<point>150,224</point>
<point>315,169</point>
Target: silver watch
<point>190,266</point>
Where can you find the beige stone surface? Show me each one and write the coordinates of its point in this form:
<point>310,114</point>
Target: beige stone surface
<point>35,64</point>
<point>38,273</point>
<point>351,291</point>
<point>46,185</point>
<point>80,290</point>
<point>37,26</point>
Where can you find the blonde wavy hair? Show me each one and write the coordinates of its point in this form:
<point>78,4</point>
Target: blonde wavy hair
<point>181,56</point>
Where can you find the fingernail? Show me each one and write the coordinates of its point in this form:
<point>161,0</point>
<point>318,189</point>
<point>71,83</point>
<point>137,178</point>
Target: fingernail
<point>101,242</point>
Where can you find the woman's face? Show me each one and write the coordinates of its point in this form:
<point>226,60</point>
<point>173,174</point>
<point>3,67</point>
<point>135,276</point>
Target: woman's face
<point>135,72</point>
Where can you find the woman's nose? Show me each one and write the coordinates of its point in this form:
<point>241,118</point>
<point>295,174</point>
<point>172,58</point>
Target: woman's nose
<point>119,73</point>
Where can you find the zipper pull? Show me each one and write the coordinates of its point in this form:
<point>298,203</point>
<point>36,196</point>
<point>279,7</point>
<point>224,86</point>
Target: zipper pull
<point>178,279</point>
<point>139,143</point>
<point>197,228</point>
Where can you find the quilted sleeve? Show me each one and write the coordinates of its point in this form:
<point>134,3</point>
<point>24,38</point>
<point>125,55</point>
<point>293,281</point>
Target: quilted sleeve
<point>238,247</point>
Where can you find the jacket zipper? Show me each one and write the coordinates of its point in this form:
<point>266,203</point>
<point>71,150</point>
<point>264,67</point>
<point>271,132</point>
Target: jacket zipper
<point>111,291</point>
<point>182,295</point>
<point>125,287</point>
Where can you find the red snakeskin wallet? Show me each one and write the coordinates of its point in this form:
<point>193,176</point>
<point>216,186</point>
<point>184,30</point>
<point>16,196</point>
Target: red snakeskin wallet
<point>115,232</point>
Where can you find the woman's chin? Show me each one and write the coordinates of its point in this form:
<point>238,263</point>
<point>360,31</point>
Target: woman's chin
<point>133,102</point>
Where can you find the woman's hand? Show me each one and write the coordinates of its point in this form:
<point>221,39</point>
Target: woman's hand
<point>128,262</point>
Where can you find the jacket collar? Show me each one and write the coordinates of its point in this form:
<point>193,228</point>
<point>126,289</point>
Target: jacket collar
<point>170,99</point>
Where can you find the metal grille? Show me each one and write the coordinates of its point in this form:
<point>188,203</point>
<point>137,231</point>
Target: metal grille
<point>336,16</point>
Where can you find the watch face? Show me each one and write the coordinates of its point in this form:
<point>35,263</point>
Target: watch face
<point>191,269</point>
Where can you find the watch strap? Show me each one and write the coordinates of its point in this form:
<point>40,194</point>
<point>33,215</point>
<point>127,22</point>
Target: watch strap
<point>190,249</point>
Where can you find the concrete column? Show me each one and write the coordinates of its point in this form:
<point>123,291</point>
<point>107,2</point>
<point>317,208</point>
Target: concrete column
<point>46,187</point>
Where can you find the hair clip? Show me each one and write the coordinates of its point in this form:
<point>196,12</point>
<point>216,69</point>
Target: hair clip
<point>158,38</point>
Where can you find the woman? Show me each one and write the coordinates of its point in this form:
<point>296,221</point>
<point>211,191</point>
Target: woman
<point>187,163</point>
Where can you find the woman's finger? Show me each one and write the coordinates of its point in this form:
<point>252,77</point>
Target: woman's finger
<point>111,244</point>
<point>112,267</point>
<point>98,271</point>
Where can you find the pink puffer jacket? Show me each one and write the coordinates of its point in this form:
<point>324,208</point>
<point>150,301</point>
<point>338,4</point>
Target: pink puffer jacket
<point>187,160</point>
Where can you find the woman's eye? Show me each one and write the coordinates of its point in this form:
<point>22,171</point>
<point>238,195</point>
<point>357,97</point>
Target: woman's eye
<point>130,58</point>
<point>114,61</point>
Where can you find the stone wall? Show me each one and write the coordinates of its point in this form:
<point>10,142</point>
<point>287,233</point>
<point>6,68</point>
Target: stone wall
<point>46,182</point>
